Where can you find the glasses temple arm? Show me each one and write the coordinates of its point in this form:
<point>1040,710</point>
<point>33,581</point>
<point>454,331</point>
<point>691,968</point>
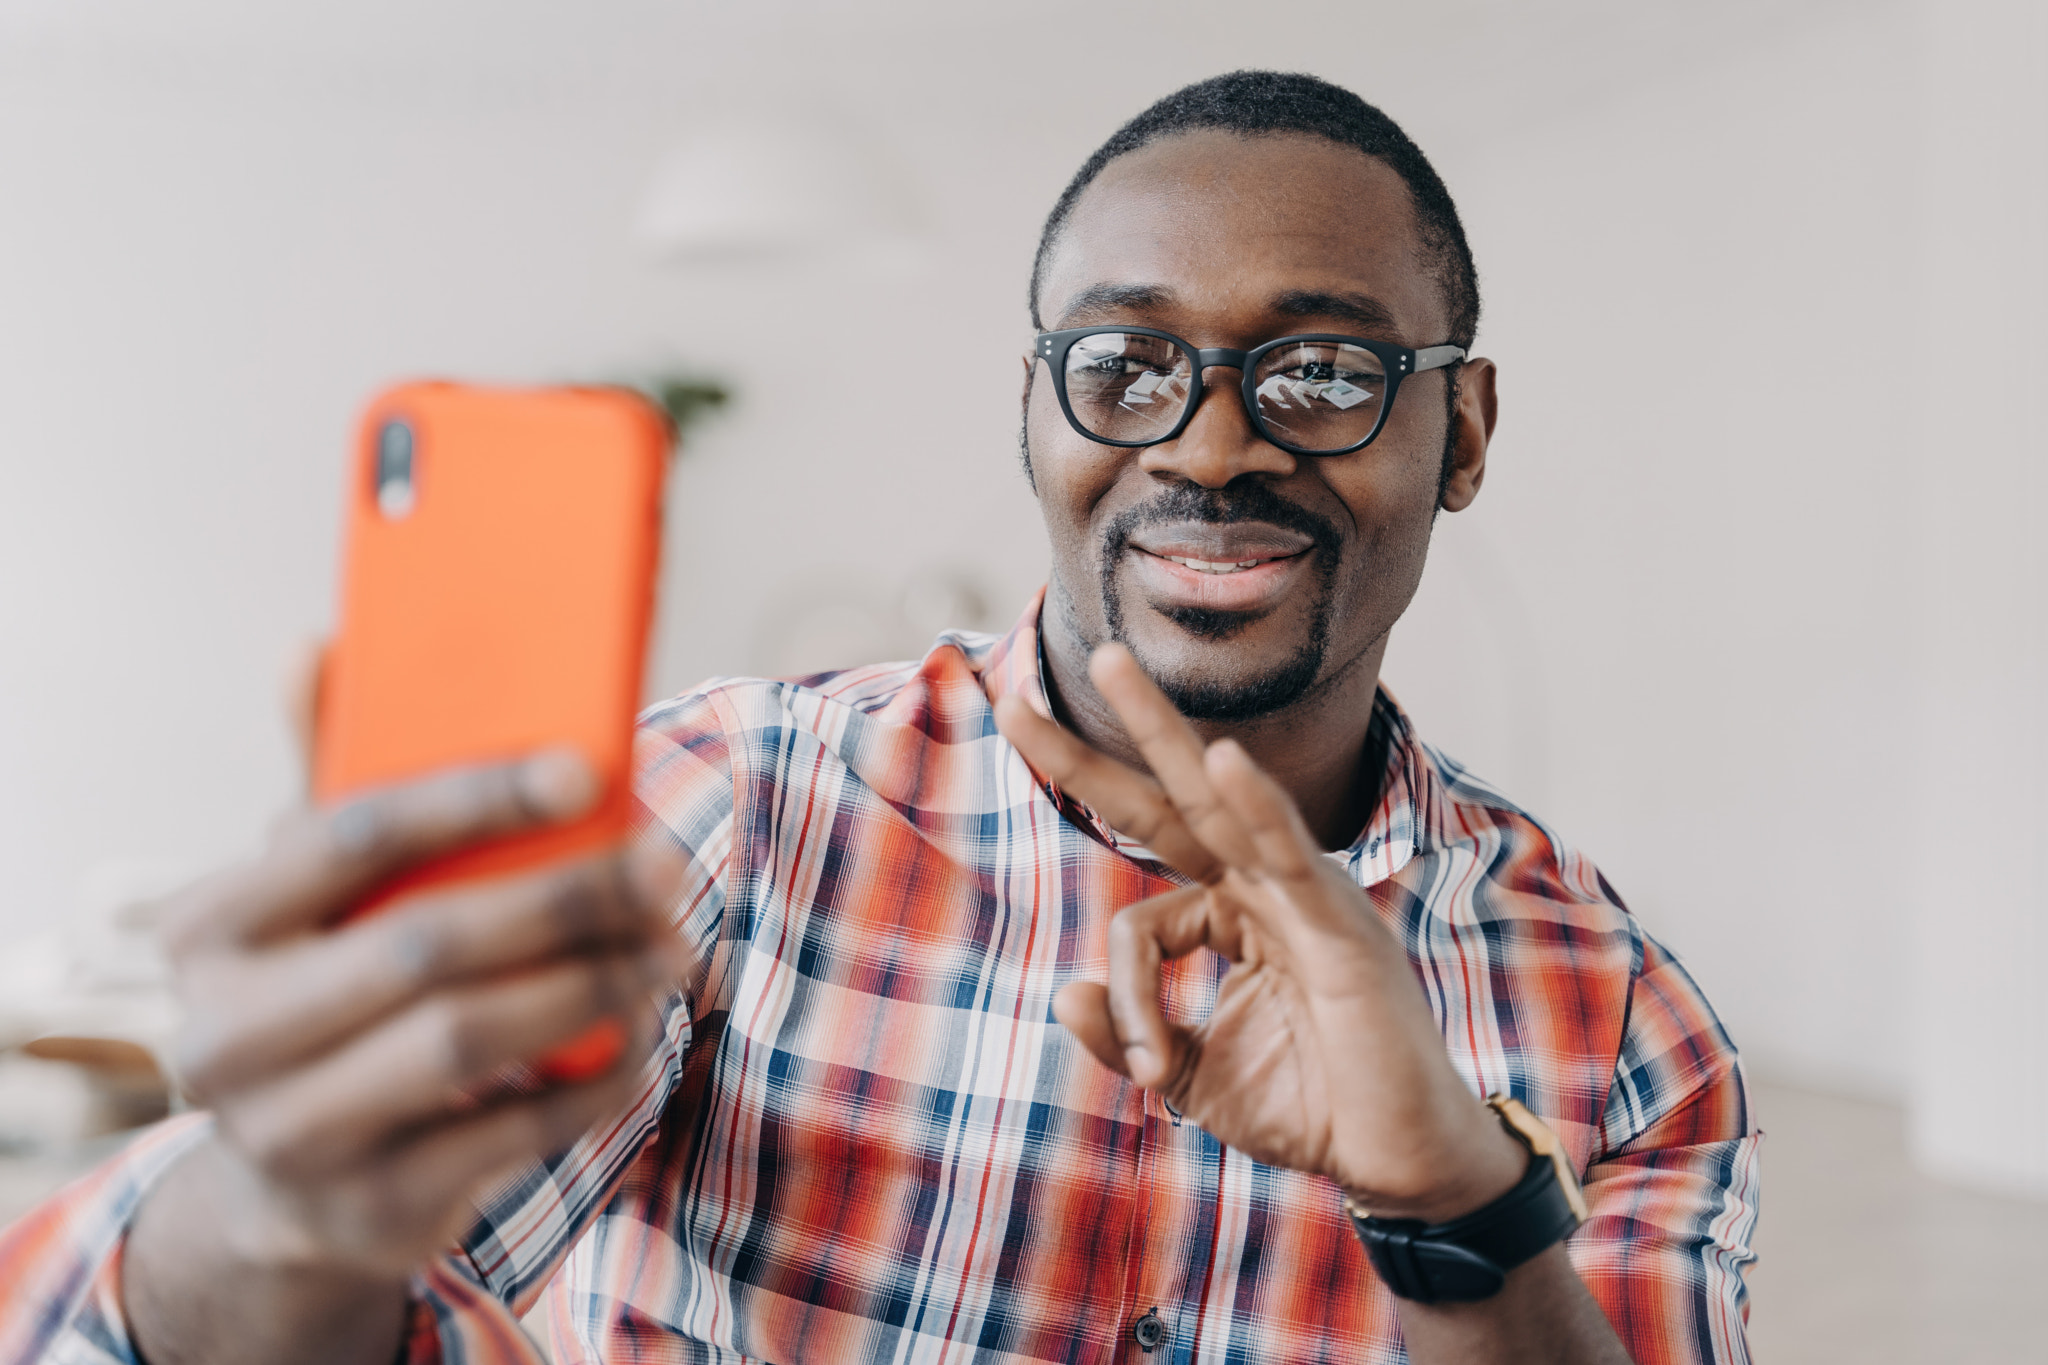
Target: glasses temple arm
<point>1436,357</point>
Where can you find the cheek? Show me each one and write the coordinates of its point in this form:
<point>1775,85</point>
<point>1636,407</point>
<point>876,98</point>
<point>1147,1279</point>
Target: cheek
<point>1042,421</point>
<point>1393,505</point>
<point>1073,474</point>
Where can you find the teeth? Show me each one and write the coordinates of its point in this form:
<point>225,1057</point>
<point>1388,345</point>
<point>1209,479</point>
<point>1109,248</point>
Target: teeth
<point>1215,565</point>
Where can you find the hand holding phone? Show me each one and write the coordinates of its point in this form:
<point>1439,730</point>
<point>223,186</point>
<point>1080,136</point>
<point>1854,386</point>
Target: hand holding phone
<point>500,559</point>
<point>339,1161</point>
<point>461,899</point>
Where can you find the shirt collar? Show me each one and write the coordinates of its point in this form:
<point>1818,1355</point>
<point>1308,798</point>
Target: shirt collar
<point>1409,788</point>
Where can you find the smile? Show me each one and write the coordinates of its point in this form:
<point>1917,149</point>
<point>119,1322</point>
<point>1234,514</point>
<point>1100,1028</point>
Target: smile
<point>1220,565</point>
<point>1249,583</point>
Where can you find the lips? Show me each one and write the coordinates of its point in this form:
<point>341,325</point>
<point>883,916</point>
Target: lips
<point>1217,565</point>
<point>1234,567</point>
<point>1227,543</point>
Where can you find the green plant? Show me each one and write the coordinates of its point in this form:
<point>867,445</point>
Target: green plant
<point>687,399</point>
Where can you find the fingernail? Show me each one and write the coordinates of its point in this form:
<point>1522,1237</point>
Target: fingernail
<point>558,783</point>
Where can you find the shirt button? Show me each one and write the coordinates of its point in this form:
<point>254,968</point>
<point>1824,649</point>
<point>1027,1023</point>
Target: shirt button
<point>1149,1332</point>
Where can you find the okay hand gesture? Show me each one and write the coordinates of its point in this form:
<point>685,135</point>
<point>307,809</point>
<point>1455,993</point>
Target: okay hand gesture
<point>1321,1053</point>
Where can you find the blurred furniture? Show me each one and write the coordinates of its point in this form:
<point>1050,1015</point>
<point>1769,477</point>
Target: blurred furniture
<point>86,1021</point>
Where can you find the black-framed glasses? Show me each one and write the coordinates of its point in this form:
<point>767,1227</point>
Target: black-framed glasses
<point>1313,394</point>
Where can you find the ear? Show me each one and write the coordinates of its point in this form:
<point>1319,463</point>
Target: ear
<point>1478,406</point>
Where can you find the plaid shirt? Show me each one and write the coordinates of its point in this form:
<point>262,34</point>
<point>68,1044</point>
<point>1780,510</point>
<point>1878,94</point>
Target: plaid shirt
<point>865,1139</point>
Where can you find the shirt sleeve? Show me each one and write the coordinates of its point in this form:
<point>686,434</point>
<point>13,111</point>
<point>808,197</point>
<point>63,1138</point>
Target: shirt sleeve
<point>1672,1187</point>
<point>467,1303</point>
<point>60,1263</point>
<point>60,1266</point>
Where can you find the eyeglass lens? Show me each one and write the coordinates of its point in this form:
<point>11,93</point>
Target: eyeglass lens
<point>1312,395</point>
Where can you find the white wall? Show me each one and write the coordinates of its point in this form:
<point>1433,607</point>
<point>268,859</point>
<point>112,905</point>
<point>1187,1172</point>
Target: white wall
<point>1699,511</point>
<point>1680,622</point>
<point>1980,1015</point>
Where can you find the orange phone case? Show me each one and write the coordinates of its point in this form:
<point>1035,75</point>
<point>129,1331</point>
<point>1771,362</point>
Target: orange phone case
<point>505,611</point>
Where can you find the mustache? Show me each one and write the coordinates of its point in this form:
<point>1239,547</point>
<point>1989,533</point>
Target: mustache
<point>1218,507</point>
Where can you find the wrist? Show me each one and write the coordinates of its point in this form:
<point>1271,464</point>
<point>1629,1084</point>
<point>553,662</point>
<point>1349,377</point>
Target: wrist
<point>249,1231</point>
<point>1482,1162</point>
<point>201,1281</point>
<point>1468,1256</point>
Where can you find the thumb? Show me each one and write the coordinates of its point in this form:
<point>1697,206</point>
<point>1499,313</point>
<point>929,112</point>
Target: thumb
<point>1083,1007</point>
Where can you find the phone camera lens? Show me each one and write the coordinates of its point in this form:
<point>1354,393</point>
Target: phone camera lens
<point>394,485</point>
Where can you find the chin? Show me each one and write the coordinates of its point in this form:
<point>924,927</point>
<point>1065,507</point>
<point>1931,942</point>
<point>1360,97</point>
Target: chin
<point>1227,677</point>
<point>1204,624</point>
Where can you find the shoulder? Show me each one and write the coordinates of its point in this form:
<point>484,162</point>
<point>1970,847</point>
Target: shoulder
<point>1518,863</point>
<point>1509,922</point>
<point>740,722</point>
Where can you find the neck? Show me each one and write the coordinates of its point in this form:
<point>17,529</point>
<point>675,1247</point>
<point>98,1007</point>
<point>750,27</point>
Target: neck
<point>1315,748</point>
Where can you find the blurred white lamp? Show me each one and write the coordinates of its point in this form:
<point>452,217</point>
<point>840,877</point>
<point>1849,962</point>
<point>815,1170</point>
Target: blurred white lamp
<point>776,186</point>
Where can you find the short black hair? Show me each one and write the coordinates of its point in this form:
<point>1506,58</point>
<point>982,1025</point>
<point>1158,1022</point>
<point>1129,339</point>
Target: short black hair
<point>1251,103</point>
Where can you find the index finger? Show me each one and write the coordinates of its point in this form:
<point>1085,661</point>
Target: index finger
<point>273,1009</point>
<point>1171,748</point>
<point>1131,802</point>
<point>323,861</point>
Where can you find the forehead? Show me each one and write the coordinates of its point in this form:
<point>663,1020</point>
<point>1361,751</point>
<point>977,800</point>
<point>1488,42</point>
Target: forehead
<point>1227,223</point>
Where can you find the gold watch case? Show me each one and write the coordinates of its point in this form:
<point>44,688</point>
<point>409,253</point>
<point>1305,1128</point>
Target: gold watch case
<point>1535,1134</point>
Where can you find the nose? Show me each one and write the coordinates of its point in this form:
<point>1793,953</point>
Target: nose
<point>1219,443</point>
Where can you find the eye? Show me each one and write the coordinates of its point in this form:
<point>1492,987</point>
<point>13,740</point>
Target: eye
<point>1329,372</point>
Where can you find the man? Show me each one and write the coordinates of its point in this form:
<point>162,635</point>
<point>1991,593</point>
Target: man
<point>1339,1030</point>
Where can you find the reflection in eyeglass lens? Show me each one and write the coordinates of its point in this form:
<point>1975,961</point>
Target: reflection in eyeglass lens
<point>1127,386</point>
<point>1320,395</point>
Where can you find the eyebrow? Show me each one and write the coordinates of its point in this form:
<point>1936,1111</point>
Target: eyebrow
<point>1361,311</point>
<point>1110,298</point>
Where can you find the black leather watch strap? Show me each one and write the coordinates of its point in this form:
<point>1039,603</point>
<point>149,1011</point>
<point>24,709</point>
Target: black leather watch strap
<point>1468,1258</point>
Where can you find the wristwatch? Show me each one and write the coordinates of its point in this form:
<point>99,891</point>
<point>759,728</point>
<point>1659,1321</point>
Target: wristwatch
<point>1468,1258</point>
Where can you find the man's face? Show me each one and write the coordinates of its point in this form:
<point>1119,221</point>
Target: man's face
<point>1305,561</point>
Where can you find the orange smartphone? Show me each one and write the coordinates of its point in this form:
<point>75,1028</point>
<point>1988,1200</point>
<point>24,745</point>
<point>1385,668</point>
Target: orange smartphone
<point>497,585</point>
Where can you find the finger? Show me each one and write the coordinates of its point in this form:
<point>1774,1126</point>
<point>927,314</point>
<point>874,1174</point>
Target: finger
<point>326,860</point>
<point>1280,839</point>
<point>1082,1007</point>
<point>1131,802</point>
<point>416,1067</point>
<point>1141,937</point>
<point>1171,748</point>
<point>450,1165</point>
<point>1321,898</point>
<point>305,996</point>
